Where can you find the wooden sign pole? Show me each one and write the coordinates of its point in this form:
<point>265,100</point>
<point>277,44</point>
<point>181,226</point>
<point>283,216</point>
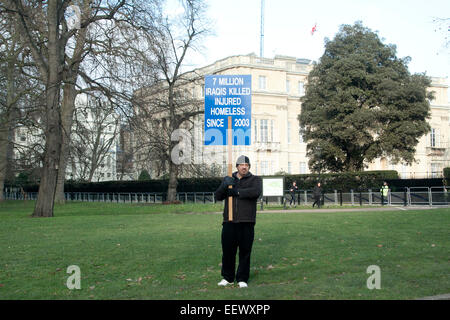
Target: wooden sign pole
<point>230,166</point>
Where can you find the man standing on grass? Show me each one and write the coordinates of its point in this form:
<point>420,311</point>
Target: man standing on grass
<point>239,232</point>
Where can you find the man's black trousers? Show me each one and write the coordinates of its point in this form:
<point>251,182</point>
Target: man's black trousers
<point>317,201</point>
<point>292,199</point>
<point>237,236</point>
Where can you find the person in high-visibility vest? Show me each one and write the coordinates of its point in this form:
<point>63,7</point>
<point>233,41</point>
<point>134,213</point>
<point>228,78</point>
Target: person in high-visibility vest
<point>384,192</point>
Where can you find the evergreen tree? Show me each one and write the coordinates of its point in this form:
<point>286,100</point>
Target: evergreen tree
<point>362,103</point>
<point>144,175</point>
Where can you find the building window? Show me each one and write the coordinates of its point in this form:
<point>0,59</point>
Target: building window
<point>288,86</point>
<point>255,128</point>
<point>264,167</point>
<point>435,138</point>
<point>302,167</point>
<point>404,171</point>
<point>301,88</point>
<point>271,130</point>
<point>263,130</point>
<point>289,167</point>
<point>262,82</point>
<point>436,169</point>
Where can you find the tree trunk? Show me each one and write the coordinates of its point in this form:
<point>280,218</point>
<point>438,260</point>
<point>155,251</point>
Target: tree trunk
<point>47,185</point>
<point>173,182</point>
<point>4,144</point>
<point>53,137</point>
<point>68,107</point>
<point>6,125</point>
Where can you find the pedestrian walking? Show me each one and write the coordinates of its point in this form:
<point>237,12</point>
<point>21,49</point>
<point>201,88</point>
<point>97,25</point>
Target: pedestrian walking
<point>292,191</point>
<point>317,194</point>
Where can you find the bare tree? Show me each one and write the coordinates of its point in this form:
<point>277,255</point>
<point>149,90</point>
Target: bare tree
<point>8,64</point>
<point>45,31</point>
<point>94,57</point>
<point>95,137</point>
<point>169,104</point>
<point>16,91</point>
<point>113,67</point>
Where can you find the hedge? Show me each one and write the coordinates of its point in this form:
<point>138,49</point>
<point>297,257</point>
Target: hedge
<point>447,173</point>
<point>342,181</point>
<point>330,181</point>
<point>184,185</point>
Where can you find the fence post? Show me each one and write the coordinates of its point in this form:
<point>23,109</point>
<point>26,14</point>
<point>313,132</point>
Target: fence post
<point>352,197</point>
<point>306,197</point>
<point>340,194</point>
<point>430,197</point>
<point>405,202</point>
<point>360,198</point>
<point>336,201</point>
<point>370,197</point>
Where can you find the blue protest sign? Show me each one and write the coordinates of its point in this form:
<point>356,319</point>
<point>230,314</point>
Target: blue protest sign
<point>228,95</point>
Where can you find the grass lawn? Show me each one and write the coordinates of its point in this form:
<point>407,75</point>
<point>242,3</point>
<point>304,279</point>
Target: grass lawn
<point>129,251</point>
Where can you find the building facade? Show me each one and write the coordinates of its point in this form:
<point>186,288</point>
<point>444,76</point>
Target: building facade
<point>277,144</point>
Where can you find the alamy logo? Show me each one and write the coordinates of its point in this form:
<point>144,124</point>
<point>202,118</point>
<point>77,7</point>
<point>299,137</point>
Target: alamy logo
<point>74,281</point>
<point>374,281</point>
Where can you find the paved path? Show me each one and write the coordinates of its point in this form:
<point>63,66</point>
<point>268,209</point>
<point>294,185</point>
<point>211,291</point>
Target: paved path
<point>439,297</point>
<point>386,208</point>
<point>356,209</point>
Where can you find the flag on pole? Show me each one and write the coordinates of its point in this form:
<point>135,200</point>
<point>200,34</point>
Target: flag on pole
<point>314,29</point>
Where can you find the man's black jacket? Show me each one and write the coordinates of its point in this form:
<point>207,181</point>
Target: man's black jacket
<point>317,191</point>
<point>244,205</point>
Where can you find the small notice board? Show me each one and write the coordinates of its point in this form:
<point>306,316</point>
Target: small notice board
<point>273,187</point>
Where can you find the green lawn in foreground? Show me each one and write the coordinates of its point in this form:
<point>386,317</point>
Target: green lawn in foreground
<point>158,252</point>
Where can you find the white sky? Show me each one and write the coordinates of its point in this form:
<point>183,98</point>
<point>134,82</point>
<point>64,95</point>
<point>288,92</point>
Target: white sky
<point>406,23</point>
